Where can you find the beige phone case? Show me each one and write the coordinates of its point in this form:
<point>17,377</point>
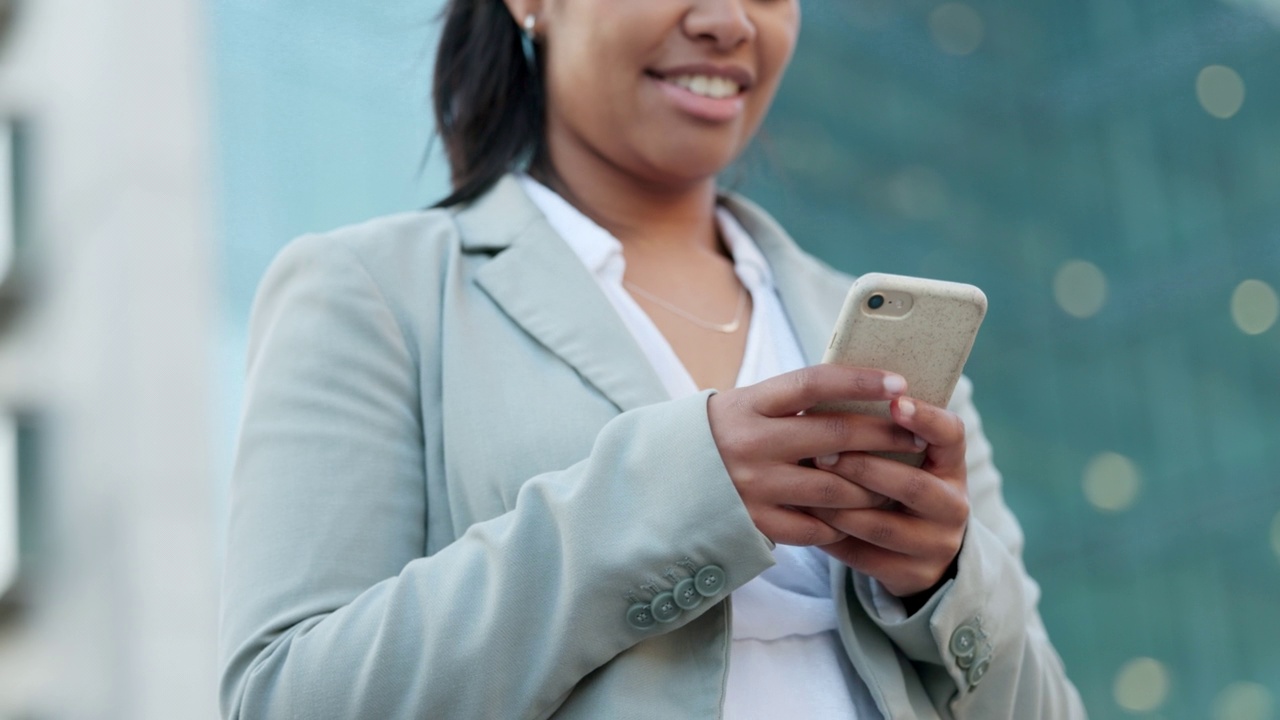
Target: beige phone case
<point>928,343</point>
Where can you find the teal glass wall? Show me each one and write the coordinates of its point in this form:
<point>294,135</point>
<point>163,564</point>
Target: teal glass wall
<point>1107,170</point>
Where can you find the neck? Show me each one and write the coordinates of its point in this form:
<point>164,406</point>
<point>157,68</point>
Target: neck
<point>637,211</point>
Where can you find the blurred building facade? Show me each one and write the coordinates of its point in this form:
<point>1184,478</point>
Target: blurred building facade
<point>105,363</point>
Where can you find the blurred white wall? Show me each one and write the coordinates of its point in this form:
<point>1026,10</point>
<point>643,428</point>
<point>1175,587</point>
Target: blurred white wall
<point>153,212</point>
<point>113,353</point>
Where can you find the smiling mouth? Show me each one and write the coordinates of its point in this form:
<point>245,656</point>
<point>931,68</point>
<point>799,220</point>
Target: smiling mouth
<point>708,86</point>
<point>717,88</point>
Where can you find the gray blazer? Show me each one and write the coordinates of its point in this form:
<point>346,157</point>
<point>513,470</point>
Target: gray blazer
<point>457,473</point>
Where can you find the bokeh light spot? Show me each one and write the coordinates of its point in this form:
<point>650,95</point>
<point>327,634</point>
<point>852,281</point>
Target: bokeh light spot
<point>1220,91</point>
<point>1243,701</point>
<point>1080,288</point>
<point>1254,307</point>
<point>1141,685</point>
<point>1269,9</point>
<point>1112,482</point>
<point>957,28</point>
<point>919,193</point>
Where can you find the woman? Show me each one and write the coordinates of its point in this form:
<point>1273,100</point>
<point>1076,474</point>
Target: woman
<point>484,471</point>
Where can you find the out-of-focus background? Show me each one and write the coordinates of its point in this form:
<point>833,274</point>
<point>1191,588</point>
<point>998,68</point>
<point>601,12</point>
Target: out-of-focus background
<point>1107,170</point>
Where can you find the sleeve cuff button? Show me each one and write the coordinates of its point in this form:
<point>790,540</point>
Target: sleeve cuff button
<point>664,608</point>
<point>686,593</point>
<point>964,642</point>
<point>977,672</point>
<point>640,616</point>
<point>710,580</point>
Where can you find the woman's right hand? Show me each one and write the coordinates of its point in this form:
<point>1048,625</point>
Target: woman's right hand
<point>766,444</point>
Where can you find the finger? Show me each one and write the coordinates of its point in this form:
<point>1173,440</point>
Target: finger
<point>920,491</point>
<point>830,433</point>
<point>943,430</point>
<point>893,531</point>
<point>899,574</point>
<point>809,488</point>
<point>787,526</point>
<point>794,392</point>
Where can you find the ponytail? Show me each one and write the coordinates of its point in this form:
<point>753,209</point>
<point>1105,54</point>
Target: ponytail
<point>487,97</point>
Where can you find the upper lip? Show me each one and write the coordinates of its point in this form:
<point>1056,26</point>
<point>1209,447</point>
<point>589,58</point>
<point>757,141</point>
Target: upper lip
<point>739,75</point>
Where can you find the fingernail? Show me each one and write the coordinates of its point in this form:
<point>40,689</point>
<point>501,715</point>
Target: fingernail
<point>920,443</point>
<point>895,384</point>
<point>907,408</point>
<point>829,460</point>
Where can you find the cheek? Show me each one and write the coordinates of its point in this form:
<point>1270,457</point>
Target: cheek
<point>585,75</point>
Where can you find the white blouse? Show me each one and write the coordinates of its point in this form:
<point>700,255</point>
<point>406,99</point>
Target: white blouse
<point>786,659</point>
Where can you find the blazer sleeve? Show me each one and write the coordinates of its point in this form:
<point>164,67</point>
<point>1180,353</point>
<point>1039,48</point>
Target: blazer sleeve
<point>330,608</point>
<point>979,645</point>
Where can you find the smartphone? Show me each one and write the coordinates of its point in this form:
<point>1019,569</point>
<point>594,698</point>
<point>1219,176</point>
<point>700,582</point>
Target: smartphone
<point>920,329</point>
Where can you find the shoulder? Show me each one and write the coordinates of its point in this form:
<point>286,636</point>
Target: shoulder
<point>386,272</point>
<point>383,247</point>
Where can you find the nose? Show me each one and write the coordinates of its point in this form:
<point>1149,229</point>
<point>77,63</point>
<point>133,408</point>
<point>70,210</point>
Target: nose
<point>725,23</point>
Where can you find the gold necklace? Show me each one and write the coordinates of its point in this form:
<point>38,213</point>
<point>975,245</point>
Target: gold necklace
<point>726,328</point>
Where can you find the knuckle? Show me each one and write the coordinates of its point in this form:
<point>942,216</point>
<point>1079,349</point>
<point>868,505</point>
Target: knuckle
<point>748,487</point>
<point>829,490</point>
<point>804,381</point>
<point>954,426</point>
<point>809,535</point>
<point>835,425</point>
<point>868,383</point>
<point>881,533</point>
<point>858,465</point>
<point>915,489</point>
<point>941,546</point>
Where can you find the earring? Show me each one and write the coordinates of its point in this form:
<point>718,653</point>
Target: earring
<point>526,41</point>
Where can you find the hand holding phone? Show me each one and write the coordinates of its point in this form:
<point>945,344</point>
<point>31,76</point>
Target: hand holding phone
<point>922,330</point>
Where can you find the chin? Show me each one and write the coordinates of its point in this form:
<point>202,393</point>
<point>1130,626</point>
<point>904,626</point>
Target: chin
<point>689,164</point>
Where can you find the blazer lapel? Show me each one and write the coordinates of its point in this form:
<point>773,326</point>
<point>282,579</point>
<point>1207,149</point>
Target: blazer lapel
<point>543,287</point>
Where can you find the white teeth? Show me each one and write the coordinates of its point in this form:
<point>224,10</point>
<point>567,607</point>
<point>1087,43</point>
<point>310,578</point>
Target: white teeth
<point>707,86</point>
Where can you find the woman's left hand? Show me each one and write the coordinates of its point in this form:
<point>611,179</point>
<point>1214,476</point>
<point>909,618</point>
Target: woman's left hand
<point>910,544</point>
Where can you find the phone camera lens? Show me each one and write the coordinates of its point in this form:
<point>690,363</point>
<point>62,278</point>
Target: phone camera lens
<point>876,302</point>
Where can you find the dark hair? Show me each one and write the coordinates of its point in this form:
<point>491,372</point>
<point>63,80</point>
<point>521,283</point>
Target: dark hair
<point>487,97</point>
